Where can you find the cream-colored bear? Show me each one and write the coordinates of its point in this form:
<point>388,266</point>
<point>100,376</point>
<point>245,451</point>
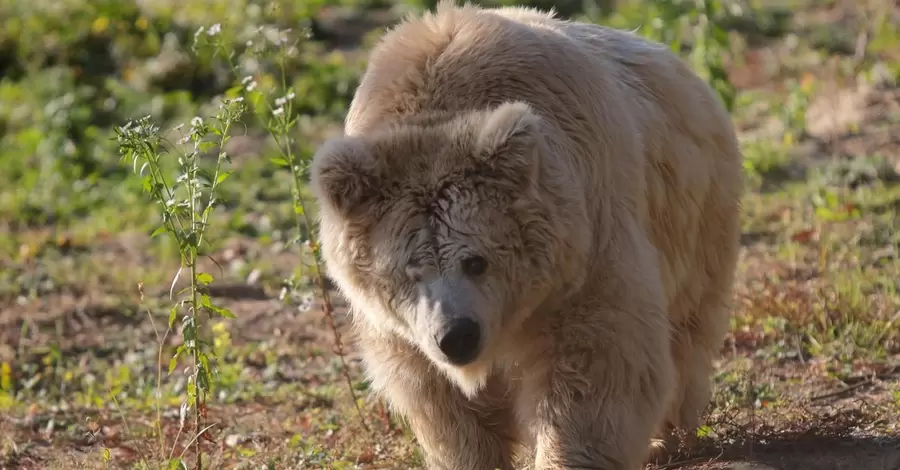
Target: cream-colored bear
<point>536,223</point>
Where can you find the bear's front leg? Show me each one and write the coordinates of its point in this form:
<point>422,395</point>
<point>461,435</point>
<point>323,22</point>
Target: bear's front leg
<point>601,387</point>
<point>455,433</point>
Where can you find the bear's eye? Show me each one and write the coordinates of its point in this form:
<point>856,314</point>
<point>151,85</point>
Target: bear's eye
<point>414,269</point>
<point>474,265</point>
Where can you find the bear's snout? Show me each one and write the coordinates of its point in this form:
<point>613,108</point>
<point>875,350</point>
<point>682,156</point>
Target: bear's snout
<point>451,312</point>
<point>460,341</point>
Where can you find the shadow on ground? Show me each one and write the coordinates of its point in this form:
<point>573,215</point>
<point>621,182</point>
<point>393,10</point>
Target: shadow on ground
<point>800,453</point>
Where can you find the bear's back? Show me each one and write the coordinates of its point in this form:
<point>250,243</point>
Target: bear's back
<point>463,58</point>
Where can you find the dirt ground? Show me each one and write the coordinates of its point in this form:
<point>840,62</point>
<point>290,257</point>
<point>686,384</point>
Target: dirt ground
<point>809,380</point>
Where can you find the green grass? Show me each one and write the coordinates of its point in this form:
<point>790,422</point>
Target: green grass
<point>86,278</point>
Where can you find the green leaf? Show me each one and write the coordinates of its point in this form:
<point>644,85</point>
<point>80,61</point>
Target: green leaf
<point>158,231</point>
<point>204,278</point>
<point>222,312</point>
<point>190,240</point>
<point>204,364</point>
<point>206,145</point>
<point>234,91</point>
<point>280,162</point>
<point>223,176</point>
<point>172,314</point>
<point>703,431</point>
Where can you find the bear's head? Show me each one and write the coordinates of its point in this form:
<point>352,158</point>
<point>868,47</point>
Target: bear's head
<point>438,230</point>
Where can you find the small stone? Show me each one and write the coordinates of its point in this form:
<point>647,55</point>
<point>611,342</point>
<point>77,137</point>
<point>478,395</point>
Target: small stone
<point>234,439</point>
<point>253,277</point>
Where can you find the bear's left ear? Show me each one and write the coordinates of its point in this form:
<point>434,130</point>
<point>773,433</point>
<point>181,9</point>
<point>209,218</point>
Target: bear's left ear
<point>508,140</point>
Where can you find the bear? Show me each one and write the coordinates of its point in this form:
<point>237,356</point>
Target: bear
<point>535,223</point>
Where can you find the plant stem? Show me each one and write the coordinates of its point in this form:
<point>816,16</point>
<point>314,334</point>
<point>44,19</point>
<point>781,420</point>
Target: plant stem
<point>194,344</point>
<point>303,220</point>
<point>196,354</point>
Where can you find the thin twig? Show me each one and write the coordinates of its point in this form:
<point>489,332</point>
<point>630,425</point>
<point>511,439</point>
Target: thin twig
<point>841,391</point>
<point>857,382</point>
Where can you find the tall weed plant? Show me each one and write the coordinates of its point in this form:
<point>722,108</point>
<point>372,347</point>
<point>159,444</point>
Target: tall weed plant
<point>186,201</point>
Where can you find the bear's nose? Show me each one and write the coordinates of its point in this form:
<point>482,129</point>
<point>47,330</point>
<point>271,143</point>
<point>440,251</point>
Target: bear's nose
<point>460,341</point>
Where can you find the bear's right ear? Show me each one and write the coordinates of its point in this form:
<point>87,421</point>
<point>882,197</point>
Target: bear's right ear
<point>343,173</point>
<point>507,141</point>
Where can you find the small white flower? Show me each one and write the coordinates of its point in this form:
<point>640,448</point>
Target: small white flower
<point>249,83</point>
<point>249,44</point>
<point>197,121</point>
<point>278,111</point>
<point>284,99</point>
<point>226,102</point>
<point>282,37</point>
<point>214,29</point>
<point>276,36</point>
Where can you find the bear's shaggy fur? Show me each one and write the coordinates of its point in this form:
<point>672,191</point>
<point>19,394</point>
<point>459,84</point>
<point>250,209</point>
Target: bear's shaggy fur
<point>536,224</point>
